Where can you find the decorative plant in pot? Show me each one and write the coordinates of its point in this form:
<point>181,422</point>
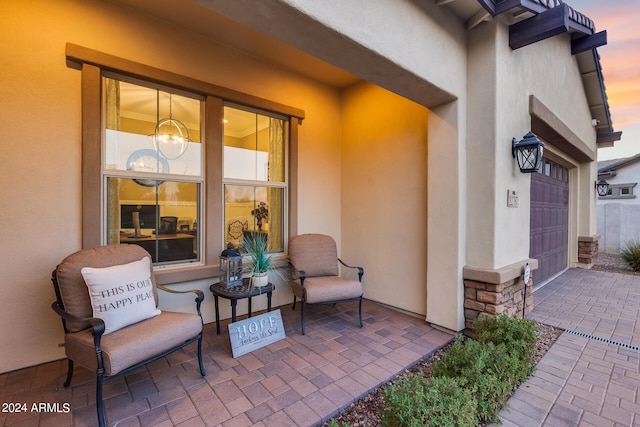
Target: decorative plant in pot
<point>259,261</point>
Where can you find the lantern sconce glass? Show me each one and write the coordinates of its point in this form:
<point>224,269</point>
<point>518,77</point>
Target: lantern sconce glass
<point>602,187</point>
<point>528,152</point>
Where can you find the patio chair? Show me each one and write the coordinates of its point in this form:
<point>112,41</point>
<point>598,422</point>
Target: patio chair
<point>107,298</point>
<point>316,274</point>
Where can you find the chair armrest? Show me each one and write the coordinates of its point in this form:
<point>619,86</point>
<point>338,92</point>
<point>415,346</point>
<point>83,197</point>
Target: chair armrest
<point>97,324</point>
<point>360,269</point>
<point>199,295</point>
<point>298,274</point>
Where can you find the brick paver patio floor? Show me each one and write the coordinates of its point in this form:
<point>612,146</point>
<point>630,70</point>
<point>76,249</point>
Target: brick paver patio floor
<point>591,375</point>
<point>298,381</point>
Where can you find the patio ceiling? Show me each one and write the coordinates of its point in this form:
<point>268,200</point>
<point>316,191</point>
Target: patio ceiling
<point>525,15</point>
<point>202,20</point>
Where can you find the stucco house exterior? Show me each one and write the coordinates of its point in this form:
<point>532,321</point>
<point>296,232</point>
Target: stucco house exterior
<point>395,120</point>
<point>619,209</point>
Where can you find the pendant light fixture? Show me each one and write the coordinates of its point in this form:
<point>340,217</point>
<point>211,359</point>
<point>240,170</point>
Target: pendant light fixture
<point>171,136</point>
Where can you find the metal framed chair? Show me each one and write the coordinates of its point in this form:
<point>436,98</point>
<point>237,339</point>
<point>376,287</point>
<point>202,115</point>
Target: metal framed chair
<point>88,341</point>
<point>316,274</point>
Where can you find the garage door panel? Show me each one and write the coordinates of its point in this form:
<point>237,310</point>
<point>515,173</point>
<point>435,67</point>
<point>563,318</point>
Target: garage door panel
<point>549,220</point>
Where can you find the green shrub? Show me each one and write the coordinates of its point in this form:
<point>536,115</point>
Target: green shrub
<point>417,401</point>
<point>519,335</point>
<point>473,380</point>
<point>489,371</point>
<point>631,255</point>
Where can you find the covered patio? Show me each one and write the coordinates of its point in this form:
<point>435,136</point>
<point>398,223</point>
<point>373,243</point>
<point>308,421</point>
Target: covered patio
<point>302,380</point>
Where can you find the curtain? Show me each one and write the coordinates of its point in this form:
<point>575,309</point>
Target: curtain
<point>276,174</point>
<point>113,123</point>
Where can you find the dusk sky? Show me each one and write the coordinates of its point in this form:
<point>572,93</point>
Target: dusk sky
<point>620,60</point>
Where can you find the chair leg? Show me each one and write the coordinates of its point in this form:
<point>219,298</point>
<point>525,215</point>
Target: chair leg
<point>302,315</point>
<point>99,404</point>
<point>69,373</point>
<point>202,372</point>
<point>294,303</point>
<point>360,310</point>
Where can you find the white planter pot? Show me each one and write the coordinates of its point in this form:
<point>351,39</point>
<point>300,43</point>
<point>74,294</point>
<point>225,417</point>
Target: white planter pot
<point>260,279</point>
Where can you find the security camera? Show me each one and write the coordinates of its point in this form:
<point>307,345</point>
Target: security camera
<point>595,122</point>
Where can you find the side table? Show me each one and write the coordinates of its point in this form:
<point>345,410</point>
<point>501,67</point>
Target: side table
<point>239,292</point>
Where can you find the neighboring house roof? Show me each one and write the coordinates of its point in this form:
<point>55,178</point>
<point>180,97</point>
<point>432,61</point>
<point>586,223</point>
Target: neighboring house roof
<point>609,167</point>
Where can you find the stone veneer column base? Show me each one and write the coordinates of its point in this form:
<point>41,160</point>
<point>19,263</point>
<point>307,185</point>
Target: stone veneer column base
<point>502,291</point>
<point>588,250</point>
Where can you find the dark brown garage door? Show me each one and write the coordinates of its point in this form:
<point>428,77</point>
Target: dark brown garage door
<point>549,220</point>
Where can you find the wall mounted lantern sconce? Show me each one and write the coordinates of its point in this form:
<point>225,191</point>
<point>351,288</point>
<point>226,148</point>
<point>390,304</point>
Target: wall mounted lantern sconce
<point>602,187</point>
<point>528,153</point>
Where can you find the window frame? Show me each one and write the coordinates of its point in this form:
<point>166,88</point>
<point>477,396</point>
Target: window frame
<point>122,174</point>
<point>92,65</point>
<point>283,185</point>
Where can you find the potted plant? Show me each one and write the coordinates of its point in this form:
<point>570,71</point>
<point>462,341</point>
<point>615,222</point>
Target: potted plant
<point>259,261</point>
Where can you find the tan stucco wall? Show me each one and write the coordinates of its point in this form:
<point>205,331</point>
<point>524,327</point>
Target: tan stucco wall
<point>384,194</point>
<point>500,86</point>
<point>41,124</point>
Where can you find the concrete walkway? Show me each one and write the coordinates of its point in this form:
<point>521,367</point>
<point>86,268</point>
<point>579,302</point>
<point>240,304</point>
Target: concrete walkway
<point>591,375</point>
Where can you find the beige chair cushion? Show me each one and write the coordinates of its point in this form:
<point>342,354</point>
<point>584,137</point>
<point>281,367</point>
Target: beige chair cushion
<point>315,254</point>
<point>135,343</point>
<point>73,289</point>
<point>327,288</point>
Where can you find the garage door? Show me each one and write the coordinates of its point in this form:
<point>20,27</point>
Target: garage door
<point>549,220</point>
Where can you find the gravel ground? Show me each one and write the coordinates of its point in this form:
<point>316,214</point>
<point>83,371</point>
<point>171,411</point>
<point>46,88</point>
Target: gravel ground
<point>613,263</point>
<point>367,411</point>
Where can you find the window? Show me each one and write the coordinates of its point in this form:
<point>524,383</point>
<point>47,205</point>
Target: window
<point>152,170</point>
<point>179,195</point>
<point>620,191</point>
<point>255,185</point>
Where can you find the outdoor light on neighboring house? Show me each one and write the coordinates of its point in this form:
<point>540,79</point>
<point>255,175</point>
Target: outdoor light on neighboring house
<point>230,267</point>
<point>528,153</point>
<point>602,187</point>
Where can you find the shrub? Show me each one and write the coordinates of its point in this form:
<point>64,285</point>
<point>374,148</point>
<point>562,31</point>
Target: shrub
<point>489,371</point>
<point>519,335</point>
<point>472,381</point>
<point>631,255</point>
<point>417,401</point>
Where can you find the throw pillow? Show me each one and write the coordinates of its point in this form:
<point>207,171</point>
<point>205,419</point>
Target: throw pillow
<point>121,295</point>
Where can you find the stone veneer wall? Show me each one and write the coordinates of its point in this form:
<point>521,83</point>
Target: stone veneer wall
<point>588,249</point>
<point>482,295</point>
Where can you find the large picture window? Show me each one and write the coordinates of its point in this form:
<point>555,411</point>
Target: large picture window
<point>255,182</point>
<point>146,182</point>
<point>152,170</point>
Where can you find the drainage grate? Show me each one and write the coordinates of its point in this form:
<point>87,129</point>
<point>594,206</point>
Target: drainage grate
<point>592,337</point>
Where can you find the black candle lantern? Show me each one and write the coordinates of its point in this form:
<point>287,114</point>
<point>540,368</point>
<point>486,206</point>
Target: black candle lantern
<point>230,267</point>
<point>602,187</point>
<point>528,153</point>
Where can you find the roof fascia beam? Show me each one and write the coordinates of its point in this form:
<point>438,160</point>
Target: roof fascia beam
<point>506,5</point>
<point>539,27</point>
<point>489,6</point>
<point>607,137</point>
<point>588,42</point>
